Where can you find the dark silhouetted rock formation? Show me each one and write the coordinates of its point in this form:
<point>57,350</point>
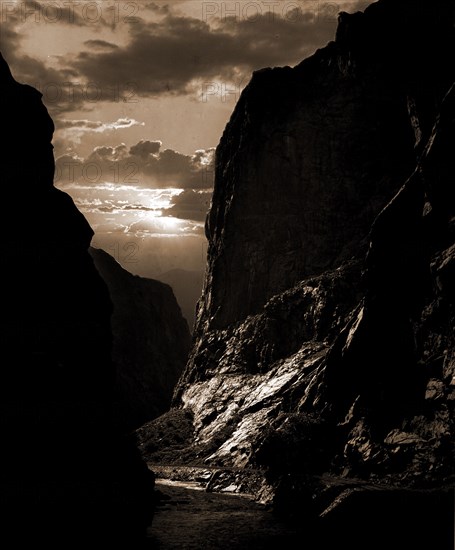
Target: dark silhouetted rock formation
<point>324,340</point>
<point>151,341</point>
<point>65,475</point>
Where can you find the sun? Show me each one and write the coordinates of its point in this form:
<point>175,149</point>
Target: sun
<point>168,224</point>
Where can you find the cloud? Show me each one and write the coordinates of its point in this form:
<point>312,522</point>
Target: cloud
<point>52,83</point>
<point>145,148</point>
<point>56,84</point>
<point>190,205</point>
<point>177,53</point>
<point>100,45</point>
<point>167,51</point>
<point>83,126</point>
<point>109,208</point>
<point>156,8</point>
<point>63,13</point>
<point>73,131</point>
<point>143,164</point>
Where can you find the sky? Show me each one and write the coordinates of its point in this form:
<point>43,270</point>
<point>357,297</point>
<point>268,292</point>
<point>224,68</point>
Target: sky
<point>140,92</point>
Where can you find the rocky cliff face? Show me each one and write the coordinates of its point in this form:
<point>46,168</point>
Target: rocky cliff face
<point>324,340</point>
<point>61,463</point>
<point>151,341</point>
<point>319,149</point>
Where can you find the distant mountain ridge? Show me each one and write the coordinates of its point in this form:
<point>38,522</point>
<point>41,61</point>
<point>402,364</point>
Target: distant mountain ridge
<point>151,341</point>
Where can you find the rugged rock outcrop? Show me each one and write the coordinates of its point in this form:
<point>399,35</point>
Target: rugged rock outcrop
<point>64,474</point>
<point>324,339</point>
<point>151,341</point>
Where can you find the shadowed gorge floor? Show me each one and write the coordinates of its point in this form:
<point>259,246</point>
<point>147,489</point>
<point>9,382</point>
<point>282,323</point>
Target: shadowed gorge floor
<point>189,518</point>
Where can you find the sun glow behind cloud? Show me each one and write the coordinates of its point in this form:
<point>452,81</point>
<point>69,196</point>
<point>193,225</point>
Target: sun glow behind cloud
<point>135,225</point>
<point>137,211</point>
<point>141,198</point>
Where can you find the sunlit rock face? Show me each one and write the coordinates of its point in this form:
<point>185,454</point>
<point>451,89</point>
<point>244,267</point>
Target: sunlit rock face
<point>324,338</point>
<point>64,472</point>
